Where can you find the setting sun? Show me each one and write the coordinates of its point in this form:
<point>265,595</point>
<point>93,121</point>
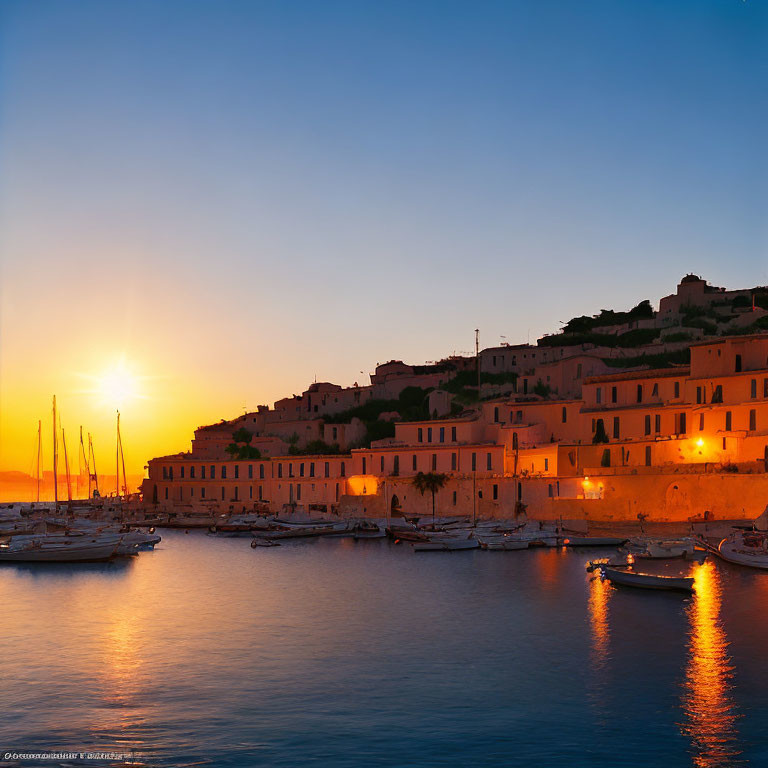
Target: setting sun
<point>116,386</point>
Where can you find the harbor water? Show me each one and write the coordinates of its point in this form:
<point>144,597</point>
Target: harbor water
<point>331,652</point>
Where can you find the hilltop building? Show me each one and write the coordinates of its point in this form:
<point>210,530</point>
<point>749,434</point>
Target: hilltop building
<point>557,429</point>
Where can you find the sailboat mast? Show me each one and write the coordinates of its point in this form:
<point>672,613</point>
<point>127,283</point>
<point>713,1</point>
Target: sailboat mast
<point>39,453</point>
<point>117,458</point>
<point>122,456</point>
<point>84,456</point>
<point>66,466</point>
<point>55,460</point>
<point>93,463</point>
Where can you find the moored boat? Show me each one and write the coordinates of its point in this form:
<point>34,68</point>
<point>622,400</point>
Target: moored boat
<point>647,580</point>
<point>445,545</point>
<point>591,541</point>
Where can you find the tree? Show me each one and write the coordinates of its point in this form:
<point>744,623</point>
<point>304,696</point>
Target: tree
<point>242,435</point>
<point>432,482</point>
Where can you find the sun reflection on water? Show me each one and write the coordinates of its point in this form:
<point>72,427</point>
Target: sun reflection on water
<point>707,703</point>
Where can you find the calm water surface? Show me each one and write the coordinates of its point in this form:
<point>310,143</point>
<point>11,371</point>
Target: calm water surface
<point>340,653</point>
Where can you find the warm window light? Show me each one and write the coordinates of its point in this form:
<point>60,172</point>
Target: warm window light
<point>700,442</point>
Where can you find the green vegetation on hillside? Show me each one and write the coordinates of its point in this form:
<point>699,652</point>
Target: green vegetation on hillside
<point>584,323</point>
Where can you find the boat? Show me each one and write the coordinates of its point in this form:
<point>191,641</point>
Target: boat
<point>367,529</point>
<point>445,545</point>
<point>257,541</point>
<point>665,550</point>
<point>748,548</point>
<point>303,531</point>
<point>502,544</point>
<point>591,541</point>
<point>646,580</point>
<point>57,549</point>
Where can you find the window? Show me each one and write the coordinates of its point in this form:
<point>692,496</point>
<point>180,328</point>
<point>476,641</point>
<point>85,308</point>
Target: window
<point>701,422</point>
<point>237,493</point>
<point>396,465</point>
<point>261,471</point>
<point>564,415</point>
<point>420,436</point>
<point>639,393</point>
<point>311,468</point>
<point>364,466</point>
<point>213,472</point>
<point>753,388</point>
<point>752,420</point>
<point>202,493</point>
<point>681,424</point>
<point>237,471</point>
<point>474,462</point>
<point>261,493</point>
<point>165,473</point>
<point>614,395</point>
<point>599,395</point>
<point>546,464</point>
<point>488,462</point>
<point>728,421</point>
<point>495,491</point>
<point>222,493</point>
<point>434,462</point>
<point>616,427</point>
<point>717,395</point>
<point>648,424</point>
<point>647,455</point>
<point>202,472</point>
<point>191,492</point>
<point>327,468</point>
<point>549,490</point>
<point>250,491</point>
<point>429,434</point>
<point>442,434</point>
<point>699,399</point>
<point>181,472</point>
<point>279,470</point>
<point>301,469</point>
<point>765,387</point>
<point>655,390</point>
<point>192,473</point>
<point>496,415</point>
<point>453,461</point>
<point>414,462</point>
<point>453,430</point>
<point>657,423</point>
<point>298,491</point>
<point>223,472</point>
<point>250,471</point>
<point>381,465</point>
<point>343,470</point>
<point>677,389</point>
<point>738,363</point>
<point>454,498</point>
<point>166,493</point>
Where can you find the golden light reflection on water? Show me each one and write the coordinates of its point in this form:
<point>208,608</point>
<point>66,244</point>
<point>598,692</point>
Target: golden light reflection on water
<point>599,593</point>
<point>707,703</point>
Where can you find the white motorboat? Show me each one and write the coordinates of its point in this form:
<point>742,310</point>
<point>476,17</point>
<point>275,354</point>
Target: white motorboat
<point>590,541</point>
<point>664,550</point>
<point>748,548</point>
<point>51,549</point>
<point>502,543</point>
<point>647,580</point>
<point>445,545</point>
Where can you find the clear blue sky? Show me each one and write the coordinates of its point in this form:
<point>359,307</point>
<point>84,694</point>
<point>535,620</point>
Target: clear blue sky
<point>300,188</point>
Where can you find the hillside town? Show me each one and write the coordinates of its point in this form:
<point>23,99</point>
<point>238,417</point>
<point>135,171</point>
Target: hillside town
<point>658,415</point>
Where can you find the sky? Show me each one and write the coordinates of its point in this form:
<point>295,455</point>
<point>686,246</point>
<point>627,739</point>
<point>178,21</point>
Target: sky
<point>204,205</point>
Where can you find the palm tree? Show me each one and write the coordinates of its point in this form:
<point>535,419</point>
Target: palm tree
<point>432,482</point>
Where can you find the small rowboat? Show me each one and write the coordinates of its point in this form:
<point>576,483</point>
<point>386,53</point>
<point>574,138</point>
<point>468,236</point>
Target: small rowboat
<point>591,541</point>
<point>647,580</point>
<point>445,545</point>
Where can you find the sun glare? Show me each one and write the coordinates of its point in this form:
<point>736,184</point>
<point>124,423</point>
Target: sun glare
<point>116,386</point>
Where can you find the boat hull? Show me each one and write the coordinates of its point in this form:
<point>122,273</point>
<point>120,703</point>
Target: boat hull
<point>648,580</point>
